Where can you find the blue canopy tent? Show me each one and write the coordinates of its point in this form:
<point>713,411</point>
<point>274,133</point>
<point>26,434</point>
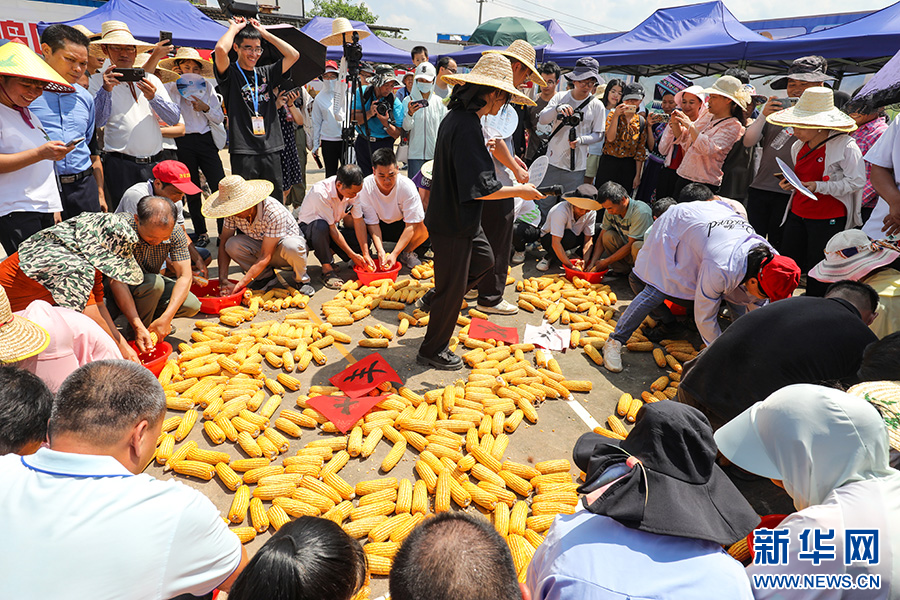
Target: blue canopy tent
<point>562,42</point>
<point>146,18</point>
<point>699,38</point>
<point>374,48</point>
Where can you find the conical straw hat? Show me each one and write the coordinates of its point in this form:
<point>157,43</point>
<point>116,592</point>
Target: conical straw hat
<point>885,396</point>
<point>18,60</point>
<point>185,53</point>
<point>235,195</point>
<point>815,110</point>
<point>116,33</point>
<point>524,53</point>
<point>339,27</point>
<point>492,70</point>
<point>90,34</point>
<point>19,337</point>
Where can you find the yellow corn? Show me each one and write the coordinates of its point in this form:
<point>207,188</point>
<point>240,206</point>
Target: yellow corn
<point>660,358</point>
<point>373,343</point>
<point>279,441</point>
<point>171,424</point>
<point>208,456</point>
<point>553,466</point>
<point>388,495</point>
<point>516,483</point>
<point>165,449</point>
<point>187,423</point>
<point>372,510</point>
<point>522,552</point>
<point>194,468</point>
<point>442,492</point>
<point>616,426</point>
<point>394,456</point>
<point>287,426</point>
<point>277,517</point>
<point>248,464</point>
<point>248,444</point>
<point>523,471</point>
<point>404,496</point>
<point>268,448</point>
<point>245,534</point>
<point>181,453</point>
<point>501,519</point>
<point>258,516</point>
<point>344,490</point>
<point>271,491</point>
<point>229,478</point>
<point>340,512</point>
<point>517,517</point>
<point>336,463</point>
<point>239,505</point>
<point>623,404</point>
<point>633,409</point>
<point>288,381</point>
<point>740,551</point>
<point>296,508</point>
<point>254,475</point>
<point>660,384</point>
<point>540,523</point>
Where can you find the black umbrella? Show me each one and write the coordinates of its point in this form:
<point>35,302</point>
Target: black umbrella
<point>311,63</point>
<point>881,90</point>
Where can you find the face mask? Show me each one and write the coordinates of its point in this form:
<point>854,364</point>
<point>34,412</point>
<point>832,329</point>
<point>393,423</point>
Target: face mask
<point>329,84</point>
<point>424,87</point>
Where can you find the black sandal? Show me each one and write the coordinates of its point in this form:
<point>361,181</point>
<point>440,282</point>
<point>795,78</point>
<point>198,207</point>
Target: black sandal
<point>202,240</point>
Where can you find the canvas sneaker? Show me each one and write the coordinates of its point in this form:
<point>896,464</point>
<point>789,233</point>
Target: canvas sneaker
<point>612,355</point>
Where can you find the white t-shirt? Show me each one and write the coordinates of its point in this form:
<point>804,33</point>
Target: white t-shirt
<point>105,533</point>
<point>562,217</point>
<point>322,202</point>
<point>132,127</point>
<point>403,203</point>
<point>589,131</point>
<point>885,152</point>
<point>133,195</point>
<point>528,212</point>
<point>32,189</point>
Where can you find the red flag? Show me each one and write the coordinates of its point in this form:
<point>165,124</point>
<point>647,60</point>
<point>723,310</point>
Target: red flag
<point>344,411</point>
<point>481,329</point>
<point>363,376</point>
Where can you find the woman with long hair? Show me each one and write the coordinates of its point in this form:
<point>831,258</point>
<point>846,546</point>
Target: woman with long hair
<point>612,96</point>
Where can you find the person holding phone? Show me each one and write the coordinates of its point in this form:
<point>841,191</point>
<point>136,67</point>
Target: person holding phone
<point>625,149</point>
<point>423,117</point>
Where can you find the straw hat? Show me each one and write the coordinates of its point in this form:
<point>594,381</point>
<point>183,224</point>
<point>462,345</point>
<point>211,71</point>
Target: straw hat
<point>584,197</point>
<point>339,27</point>
<point>524,53</point>
<point>116,33</point>
<point>815,110</point>
<point>731,88</point>
<point>165,75</point>
<point>18,60</point>
<point>19,337</point>
<point>851,255</point>
<point>494,70</point>
<point>185,53</point>
<point>885,396</point>
<point>235,195</point>
<point>87,32</point>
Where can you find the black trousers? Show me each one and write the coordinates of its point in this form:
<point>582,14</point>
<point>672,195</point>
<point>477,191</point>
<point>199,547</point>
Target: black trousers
<point>459,264</point>
<point>260,166</point>
<point>364,149</point>
<point>805,240</point>
<point>121,173</point>
<point>497,223</point>
<point>81,196</point>
<point>765,211</point>
<point>318,239</point>
<point>620,170</point>
<point>569,241</point>
<point>199,153</point>
<point>681,183</point>
<point>665,184</point>
<point>332,156</point>
<point>524,234</point>
<point>16,227</point>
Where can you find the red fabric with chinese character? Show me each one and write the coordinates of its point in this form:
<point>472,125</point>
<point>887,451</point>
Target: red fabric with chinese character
<point>364,376</point>
<point>480,329</point>
<point>344,411</point>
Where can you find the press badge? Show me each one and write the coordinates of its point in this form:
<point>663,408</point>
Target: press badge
<point>259,126</point>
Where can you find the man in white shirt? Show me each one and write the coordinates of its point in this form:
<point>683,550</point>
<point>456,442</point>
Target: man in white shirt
<point>577,102</point>
<point>445,66</point>
<point>79,504</point>
<point>391,212</point>
<point>327,119</point>
<point>132,137</point>
<point>320,217</point>
<point>884,157</point>
<point>569,225</point>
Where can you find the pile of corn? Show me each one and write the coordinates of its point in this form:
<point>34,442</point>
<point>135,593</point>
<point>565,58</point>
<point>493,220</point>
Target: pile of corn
<point>460,432</point>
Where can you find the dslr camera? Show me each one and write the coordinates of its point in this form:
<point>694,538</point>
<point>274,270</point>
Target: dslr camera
<point>385,106</point>
<point>573,120</point>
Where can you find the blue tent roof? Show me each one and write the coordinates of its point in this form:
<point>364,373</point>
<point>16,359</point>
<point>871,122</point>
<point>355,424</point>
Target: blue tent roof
<point>697,33</point>
<point>374,48</point>
<point>562,42</point>
<point>873,36</point>
<point>146,18</point>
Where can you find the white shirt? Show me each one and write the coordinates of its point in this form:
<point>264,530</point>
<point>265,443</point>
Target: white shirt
<point>33,188</point>
<point>325,123</point>
<point>322,202</point>
<point>133,195</point>
<point>590,130</point>
<point>561,218</point>
<point>132,127</point>
<point>885,152</point>
<point>403,203</point>
<point>195,121</point>
<point>528,212</point>
<point>80,526</point>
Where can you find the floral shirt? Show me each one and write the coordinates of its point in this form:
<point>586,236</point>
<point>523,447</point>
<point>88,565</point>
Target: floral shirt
<point>630,141</point>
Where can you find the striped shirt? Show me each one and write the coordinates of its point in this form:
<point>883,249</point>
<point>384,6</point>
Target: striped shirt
<point>273,220</point>
<point>865,137</point>
<point>151,258</point>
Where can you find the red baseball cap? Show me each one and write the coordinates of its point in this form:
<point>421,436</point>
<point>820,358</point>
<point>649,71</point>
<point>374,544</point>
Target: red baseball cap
<point>779,277</point>
<point>331,66</point>
<point>177,174</point>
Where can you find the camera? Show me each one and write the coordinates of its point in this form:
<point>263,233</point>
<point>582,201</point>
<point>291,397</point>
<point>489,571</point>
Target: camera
<point>573,120</point>
<point>130,75</point>
<point>385,106</point>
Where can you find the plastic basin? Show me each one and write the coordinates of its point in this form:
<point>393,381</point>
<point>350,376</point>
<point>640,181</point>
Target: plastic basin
<point>589,277</point>
<point>676,309</point>
<point>366,277</point>
<point>155,358</point>
<point>210,300</point>
<point>766,522</point>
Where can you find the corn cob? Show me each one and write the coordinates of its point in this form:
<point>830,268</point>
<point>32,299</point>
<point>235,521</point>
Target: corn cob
<point>623,404</point>
<point>340,512</point>
<point>208,456</point>
<point>248,444</point>
<point>296,508</point>
<point>501,519</point>
<point>517,517</point>
<point>258,516</point>
<point>516,483</point>
<point>539,523</point>
<point>187,423</point>
<point>553,466</point>
<point>254,475</point>
<point>660,358</point>
<point>165,449</point>
<point>383,530</point>
<point>245,534</point>
<point>229,478</point>
<point>442,492</point>
<point>239,505</point>
<point>277,517</point>
<point>633,409</point>
<point>522,552</point>
<point>616,426</point>
<point>248,464</point>
<point>181,453</point>
<point>194,469</point>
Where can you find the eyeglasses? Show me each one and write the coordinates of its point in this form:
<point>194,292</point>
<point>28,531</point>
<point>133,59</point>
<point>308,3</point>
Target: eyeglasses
<point>122,49</point>
<point>252,49</point>
<point>852,251</point>
<point>449,70</point>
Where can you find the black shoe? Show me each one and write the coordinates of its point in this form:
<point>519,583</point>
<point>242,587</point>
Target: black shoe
<point>424,303</point>
<point>444,361</point>
<point>202,240</point>
<point>261,283</point>
<point>666,331</point>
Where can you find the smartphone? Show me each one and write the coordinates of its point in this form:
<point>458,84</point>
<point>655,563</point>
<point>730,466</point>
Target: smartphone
<point>630,108</point>
<point>419,103</point>
<point>132,75</point>
<point>786,102</point>
<point>75,142</point>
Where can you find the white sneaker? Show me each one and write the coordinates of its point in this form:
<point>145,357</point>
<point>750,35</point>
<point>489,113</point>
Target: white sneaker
<point>471,294</point>
<point>504,308</point>
<point>543,264</point>
<point>518,258</point>
<point>612,355</point>
<point>409,259</point>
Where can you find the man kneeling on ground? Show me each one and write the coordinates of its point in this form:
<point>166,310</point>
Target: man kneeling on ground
<point>570,224</point>
<point>625,222</point>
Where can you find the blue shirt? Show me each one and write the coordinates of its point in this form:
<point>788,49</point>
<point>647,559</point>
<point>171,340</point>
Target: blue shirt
<point>66,117</point>
<point>376,129</point>
<point>592,557</point>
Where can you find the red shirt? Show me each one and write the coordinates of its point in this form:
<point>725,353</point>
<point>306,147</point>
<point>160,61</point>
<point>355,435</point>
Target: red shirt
<point>677,157</point>
<point>811,167</point>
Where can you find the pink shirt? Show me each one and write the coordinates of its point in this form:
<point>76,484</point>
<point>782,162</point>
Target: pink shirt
<point>75,340</point>
<point>704,156</point>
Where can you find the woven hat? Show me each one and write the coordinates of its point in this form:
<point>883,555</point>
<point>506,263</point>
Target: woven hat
<point>185,53</point>
<point>494,70</point>
<point>19,337</point>
<point>885,396</point>
<point>852,255</point>
<point>91,36</point>
<point>116,33</point>
<point>815,110</point>
<point>165,75</point>
<point>584,197</point>
<point>805,68</point>
<point>524,53</point>
<point>235,195</point>
<point>18,60</point>
<point>339,27</point>
<point>731,88</point>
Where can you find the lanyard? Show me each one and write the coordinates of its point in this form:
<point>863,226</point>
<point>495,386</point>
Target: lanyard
<point>254,92</point>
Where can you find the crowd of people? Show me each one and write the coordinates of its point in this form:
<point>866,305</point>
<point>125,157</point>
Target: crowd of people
<point>684,197</point>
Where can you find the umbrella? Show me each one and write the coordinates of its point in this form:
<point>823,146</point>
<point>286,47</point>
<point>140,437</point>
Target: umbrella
<point>504,31</point>
<point>881,90</point>
<point>311,63</point>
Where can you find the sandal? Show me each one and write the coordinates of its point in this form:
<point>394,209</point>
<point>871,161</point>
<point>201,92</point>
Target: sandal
<point>202,240</point>
<point>332,281</point>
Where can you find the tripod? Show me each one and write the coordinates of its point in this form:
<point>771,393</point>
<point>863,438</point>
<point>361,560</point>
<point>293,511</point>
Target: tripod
<point>353,56</point>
